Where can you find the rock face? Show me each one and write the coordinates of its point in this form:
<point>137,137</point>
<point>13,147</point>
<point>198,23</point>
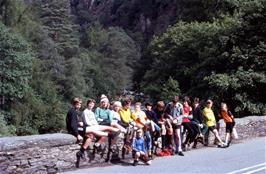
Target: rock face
<point>140,18</point>
<point>53,153</point>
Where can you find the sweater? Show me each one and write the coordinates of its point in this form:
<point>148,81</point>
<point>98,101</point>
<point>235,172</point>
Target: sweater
<point>227,116</point>
<point>88,118</point>
<point>103,114</point>
<point>72,122</point>
<point>197,115</point>
<point>152,116</point>
<point>209,117</point>
<point>139,144</point>
<point>125,115</point>
<point>140,118</point>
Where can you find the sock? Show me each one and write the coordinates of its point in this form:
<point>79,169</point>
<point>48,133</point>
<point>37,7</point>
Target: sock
<point>149,152</point>
<point>82,149</point>
<point>163,141</point>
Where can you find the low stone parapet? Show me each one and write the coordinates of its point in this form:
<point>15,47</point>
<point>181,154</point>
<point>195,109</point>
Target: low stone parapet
<point>53,153</point>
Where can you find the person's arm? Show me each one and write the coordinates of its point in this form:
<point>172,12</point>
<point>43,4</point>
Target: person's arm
<point>73,122</point>
<point>199,115</point>
<point>97,115</point>
<point>181,110</point>
<point>155,117</point>
<point>230,114</point>
<point>110,116</point>
<point>204,114</point>
<point>134,145</point>
<point>167,112</point>
<point>85,119</point>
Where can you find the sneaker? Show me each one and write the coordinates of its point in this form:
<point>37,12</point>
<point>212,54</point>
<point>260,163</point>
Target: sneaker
<point>222,145</point>
<point>135,163</point>
<point>148,162</point>
<point>180,153</point>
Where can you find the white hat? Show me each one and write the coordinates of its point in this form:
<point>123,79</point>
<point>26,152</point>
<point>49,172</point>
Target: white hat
<point>104,98</point>
<point>117,103</point>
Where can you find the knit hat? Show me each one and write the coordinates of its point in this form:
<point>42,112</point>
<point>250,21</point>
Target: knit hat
<point>117,103</point>
<point>104,98</point>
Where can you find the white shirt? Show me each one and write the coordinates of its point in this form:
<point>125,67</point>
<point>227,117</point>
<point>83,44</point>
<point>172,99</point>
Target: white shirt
<point>88,118</point>
<point>116,116</point>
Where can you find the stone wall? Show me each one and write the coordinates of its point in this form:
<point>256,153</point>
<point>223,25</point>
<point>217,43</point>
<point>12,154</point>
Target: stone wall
<point>53,153</point>
<point>48,153</point>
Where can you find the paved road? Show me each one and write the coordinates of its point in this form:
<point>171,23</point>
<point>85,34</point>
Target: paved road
<point>247,157</point>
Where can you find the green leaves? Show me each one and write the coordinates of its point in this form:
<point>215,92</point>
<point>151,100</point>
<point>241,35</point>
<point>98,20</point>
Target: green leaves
<point>16,64</point>
<point>224,58</point>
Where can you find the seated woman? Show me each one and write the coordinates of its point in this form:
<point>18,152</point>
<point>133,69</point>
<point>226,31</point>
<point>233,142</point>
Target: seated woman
<point>104,115</point>
<point>91,125</point>
<point>116,122</point>
<point>165,125</point>
<point>191,129</point>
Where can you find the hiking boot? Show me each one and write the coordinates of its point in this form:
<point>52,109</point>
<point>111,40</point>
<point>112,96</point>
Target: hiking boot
<point>194,146</point>
<point>81,155</point>
<point>180,153</point>
<point>112,135</point>
<point>135,163</point>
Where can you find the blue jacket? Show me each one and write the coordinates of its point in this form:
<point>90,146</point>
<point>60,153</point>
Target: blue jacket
<point>139,144</point>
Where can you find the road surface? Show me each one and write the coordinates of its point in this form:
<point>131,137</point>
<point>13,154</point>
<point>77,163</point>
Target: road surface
<point>246,157</point>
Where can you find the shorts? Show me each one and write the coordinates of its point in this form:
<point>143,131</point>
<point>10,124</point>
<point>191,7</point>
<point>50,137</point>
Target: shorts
<point>105,123</point>
<point>229,127</point>
<point>176,126</point>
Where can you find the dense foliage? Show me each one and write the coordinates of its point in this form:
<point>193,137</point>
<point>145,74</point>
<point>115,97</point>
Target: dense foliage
<point>54,50</point>
<point>223,59</point>
<point>46,60</point>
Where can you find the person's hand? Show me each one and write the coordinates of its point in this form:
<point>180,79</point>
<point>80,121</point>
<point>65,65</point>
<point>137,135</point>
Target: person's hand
<point>79,138</point>
<point>100,119</point>
<point>80,124</point>
<point>175,121</point>
<point>132,123</point>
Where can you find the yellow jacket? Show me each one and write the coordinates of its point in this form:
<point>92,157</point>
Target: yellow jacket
<point>125,115</point>
<point>209,117</point>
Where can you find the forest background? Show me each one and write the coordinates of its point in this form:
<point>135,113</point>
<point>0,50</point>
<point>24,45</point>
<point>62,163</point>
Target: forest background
<point>54,50</point>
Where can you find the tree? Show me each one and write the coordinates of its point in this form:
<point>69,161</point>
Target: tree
<point>111,57</point>
<point>169,89</point>
<point>16,64</point>
<point>59,23</point>
<point>224,58</point>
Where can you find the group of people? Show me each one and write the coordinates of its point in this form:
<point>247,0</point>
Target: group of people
<point>157,129</point>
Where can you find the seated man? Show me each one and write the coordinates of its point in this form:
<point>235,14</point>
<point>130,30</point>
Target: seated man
<point>72,123</point>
